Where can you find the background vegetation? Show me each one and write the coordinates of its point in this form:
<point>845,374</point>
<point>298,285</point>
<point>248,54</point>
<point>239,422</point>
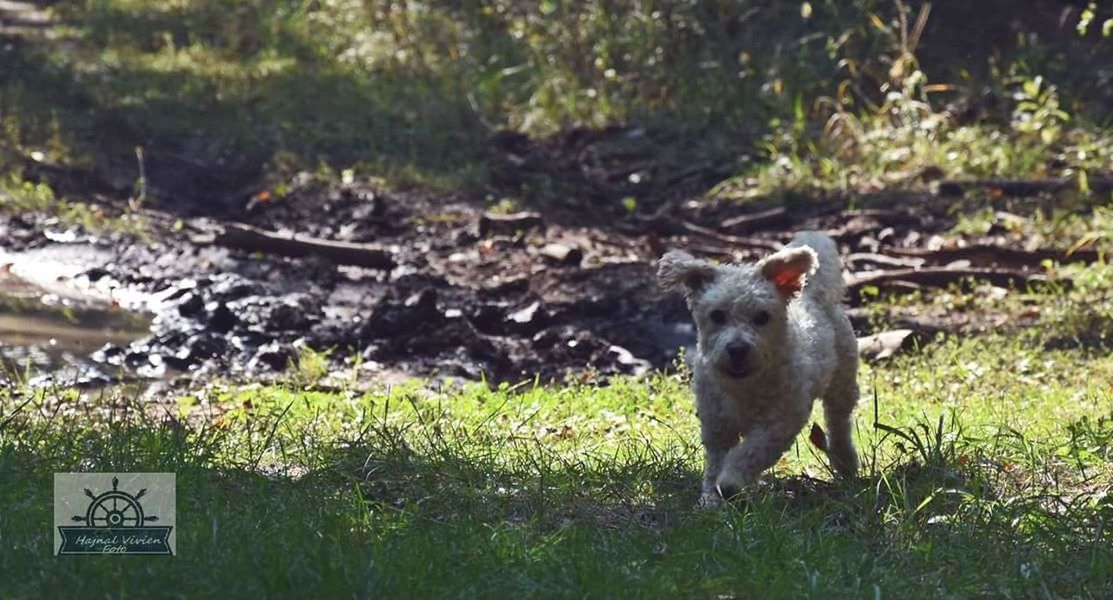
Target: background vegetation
<point>841,94</point>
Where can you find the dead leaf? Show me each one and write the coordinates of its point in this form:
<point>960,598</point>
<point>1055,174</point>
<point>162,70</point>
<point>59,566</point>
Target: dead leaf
<point>818,437</point>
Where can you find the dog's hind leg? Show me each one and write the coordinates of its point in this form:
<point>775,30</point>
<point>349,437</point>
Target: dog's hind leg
<point>838,407</point>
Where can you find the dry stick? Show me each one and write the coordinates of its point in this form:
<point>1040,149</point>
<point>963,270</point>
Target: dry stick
<point>989,254</point>
<point>720,251</point>
<point>757,220</point>
<point>884,215</point>
<point>696,169</point>
<point>663,223</point>
<point>508,223</point>
<point>940,277</point>
<point>883,260</point>
<point>1020,187</point>
<point>11,417</point>
<point>246,237</point>
<point>733,240</point>
<point>142,180</point>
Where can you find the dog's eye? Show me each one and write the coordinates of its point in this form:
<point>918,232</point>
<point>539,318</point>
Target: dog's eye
<point>761,318</point>
<point>718,317</point>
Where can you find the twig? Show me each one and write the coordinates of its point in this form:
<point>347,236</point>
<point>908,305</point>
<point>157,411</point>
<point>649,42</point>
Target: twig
<point>883,260</point>
<point>142,182</point>
<point>733,240</point>
<point>709,250</point>
<point>508,223</point>
<point>940,277</point>
<point>886,216</point>
<point>986,254</point>
<point>11,417</point>
<point>246,237</point>
<point>663,222</point>
<point>752,221</point>
<point>1020,187</point>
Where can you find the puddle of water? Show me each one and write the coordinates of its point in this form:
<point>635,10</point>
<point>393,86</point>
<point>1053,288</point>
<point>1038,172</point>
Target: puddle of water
<point>43,333</point>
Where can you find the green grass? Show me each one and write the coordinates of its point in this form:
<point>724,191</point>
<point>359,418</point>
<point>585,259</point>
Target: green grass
<point>989,475</point>
<point>909,142</point>
<point>24,197</point>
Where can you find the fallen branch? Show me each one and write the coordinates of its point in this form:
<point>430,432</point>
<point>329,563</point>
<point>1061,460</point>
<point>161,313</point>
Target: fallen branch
<point>508,223</point>
<point>711,250</point>
<point>253,239</point>
<point>860,319</point>
<point>701,169</point>
<point>662,223</point>
<point>985,255</point>
<point>1020,187</point>
<point>752,221</point>
<point>884,261</point>
<point>886,216</point>
<point>732,240</point>
<point>941,277</point>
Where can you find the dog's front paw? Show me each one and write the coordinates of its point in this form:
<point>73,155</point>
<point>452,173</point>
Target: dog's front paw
<point>729,485</point>
<point>709,501</point>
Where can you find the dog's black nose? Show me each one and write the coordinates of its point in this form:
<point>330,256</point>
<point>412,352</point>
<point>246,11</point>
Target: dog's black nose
<point>738,351</point>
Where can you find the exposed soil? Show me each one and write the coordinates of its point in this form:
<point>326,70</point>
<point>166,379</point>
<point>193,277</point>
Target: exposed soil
<point>563,291</point>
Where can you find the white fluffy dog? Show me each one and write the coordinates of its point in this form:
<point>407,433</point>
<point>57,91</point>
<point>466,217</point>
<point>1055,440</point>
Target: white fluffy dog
<point>772,338</point>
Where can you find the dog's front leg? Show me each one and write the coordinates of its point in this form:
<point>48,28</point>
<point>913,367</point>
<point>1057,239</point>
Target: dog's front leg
<point>719,433</point>
<point>714,456</point>
<point>759,450</point>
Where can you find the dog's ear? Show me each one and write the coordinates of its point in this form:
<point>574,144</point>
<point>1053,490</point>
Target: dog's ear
<point>789,269</point>
<point>680,270</point>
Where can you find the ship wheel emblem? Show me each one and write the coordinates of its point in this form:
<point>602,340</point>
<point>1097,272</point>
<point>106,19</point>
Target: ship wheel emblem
<point>115,508</point>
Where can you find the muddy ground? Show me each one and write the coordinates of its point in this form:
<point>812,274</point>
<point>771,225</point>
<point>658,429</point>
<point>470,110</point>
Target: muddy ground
<point>557,289</point>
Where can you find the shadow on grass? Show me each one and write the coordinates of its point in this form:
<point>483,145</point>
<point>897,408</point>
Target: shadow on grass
<point>400,512</point>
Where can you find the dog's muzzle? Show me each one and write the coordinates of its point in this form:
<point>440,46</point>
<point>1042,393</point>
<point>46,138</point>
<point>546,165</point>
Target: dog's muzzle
<point>737,361</point>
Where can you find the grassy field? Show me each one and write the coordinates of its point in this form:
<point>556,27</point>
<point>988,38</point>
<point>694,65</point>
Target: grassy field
<point>987,460</point>
<point>986,472</point>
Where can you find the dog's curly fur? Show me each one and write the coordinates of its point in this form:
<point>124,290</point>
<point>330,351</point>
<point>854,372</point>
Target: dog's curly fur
<point>772,338</point>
